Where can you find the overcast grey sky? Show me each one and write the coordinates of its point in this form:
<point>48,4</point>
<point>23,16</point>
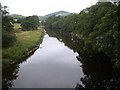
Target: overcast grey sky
<point>43,7</point>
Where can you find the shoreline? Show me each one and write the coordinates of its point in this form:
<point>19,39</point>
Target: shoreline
<point>24,54</point>
<point>23,58</point>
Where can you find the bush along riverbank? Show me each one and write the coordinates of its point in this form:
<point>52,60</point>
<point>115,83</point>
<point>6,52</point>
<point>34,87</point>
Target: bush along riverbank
<point>97,26</point>
<point>26,43</point>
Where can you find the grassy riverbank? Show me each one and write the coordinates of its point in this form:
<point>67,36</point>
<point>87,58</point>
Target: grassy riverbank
<point>26,40</point>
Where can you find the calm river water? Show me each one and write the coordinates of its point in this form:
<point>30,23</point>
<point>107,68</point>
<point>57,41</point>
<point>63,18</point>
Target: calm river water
<point>57,63</point>
<point>53,65</point>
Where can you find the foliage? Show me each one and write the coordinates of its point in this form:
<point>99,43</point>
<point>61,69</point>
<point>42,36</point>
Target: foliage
<point>8,37</point>
<point>25,41</point>
<point>97,25</point>
<point>30,23</point>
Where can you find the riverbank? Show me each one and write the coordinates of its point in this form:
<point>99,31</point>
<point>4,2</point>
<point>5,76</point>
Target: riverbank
<point>27,42</point>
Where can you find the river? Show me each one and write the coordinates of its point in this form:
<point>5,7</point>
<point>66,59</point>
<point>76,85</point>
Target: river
<point>56,64</point>
<point>53,65</point>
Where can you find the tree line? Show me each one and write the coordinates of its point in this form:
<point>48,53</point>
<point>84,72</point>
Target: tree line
<point>97,25</point>
<point>8,34</point>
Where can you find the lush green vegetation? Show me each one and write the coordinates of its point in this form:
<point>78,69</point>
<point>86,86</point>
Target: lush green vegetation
<point>97,26</point>
<point>25,41</point>
<point>18,39</point>
<point>30,23</point>
<point>8,36</point>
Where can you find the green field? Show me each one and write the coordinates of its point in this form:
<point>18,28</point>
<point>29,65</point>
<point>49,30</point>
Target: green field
<point>25,41</point>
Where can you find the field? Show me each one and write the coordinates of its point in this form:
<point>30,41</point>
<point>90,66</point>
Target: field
<point>26,40</point>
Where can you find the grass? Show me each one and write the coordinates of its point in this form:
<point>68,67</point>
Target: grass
<point>17,27</point>
<point>25,41</point>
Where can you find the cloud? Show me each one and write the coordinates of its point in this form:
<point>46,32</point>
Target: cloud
<point>42,7</point>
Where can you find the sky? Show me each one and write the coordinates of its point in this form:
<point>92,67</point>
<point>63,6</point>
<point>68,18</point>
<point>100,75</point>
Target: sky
<point>44,7</point>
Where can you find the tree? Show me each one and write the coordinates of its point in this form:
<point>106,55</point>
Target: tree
<point>8,37</point>
<point>117,36</point>
<point>97,25</point>
<point>30,23</point>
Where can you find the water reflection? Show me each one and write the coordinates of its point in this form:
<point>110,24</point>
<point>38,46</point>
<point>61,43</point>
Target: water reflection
<point>69,40</point>
<point>97,68</point>
<point>53,65</point>
<point>58,63</point>
<point>99,73</point>
<point>11,73</point>
<point>8,76</point>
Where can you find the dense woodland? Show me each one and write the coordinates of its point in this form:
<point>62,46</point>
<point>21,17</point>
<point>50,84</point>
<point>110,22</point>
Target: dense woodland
<point>98,26</point>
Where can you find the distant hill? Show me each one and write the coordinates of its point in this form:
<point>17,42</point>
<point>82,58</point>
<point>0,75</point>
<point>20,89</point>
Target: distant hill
<point>59,13</point>
<point>16,16</point>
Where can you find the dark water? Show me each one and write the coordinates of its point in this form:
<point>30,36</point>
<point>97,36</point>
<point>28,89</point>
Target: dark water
<point>98,69</point>
<point>58,64</point>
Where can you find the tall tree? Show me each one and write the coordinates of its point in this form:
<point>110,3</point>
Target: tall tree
<point>8,37</point>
